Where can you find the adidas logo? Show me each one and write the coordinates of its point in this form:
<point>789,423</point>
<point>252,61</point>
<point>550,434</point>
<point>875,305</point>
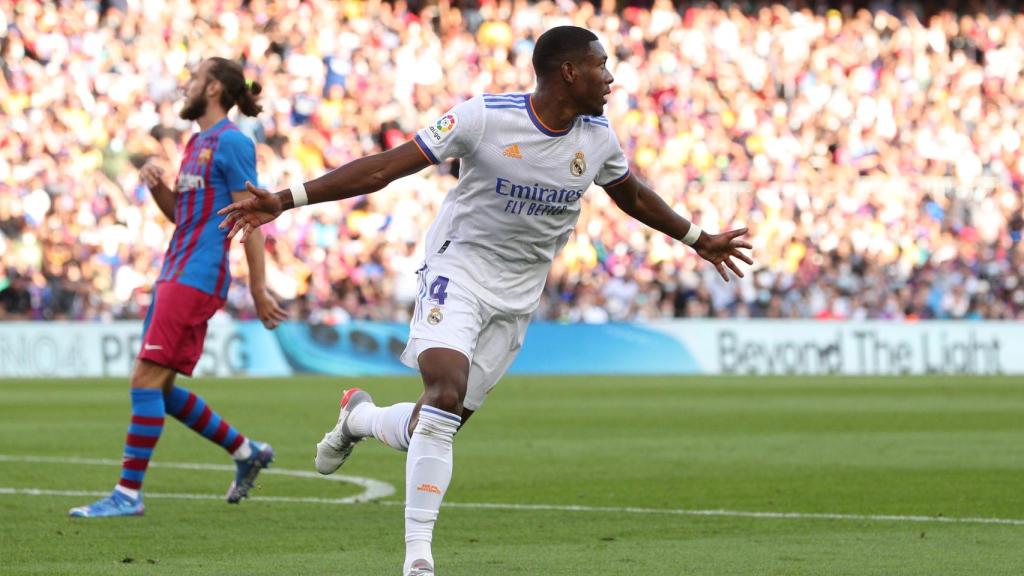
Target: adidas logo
<point>513,152</point>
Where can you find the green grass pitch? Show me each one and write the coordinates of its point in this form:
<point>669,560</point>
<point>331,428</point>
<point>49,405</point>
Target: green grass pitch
<point>554,476</point>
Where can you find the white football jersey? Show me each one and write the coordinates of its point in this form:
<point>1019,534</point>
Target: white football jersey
<point>518,196</point>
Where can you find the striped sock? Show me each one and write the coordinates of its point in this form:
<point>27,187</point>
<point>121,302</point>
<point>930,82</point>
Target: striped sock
<point>192,411</point>
<point>146,425</point>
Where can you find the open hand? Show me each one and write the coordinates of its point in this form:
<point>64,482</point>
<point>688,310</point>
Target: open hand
<point>720,249</point>
<point>249,214</point>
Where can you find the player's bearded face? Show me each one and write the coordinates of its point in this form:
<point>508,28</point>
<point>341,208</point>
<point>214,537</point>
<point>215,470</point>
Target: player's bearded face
<point>195,104</point>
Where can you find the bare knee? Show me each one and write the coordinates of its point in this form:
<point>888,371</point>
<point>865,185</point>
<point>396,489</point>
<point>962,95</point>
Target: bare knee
<point>444,391</point>
<point>147,374</point>
<point>445,376</point>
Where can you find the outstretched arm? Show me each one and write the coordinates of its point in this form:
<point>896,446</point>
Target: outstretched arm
<point>634,198</point>
<point>356,178</point>
<point>363,176</point>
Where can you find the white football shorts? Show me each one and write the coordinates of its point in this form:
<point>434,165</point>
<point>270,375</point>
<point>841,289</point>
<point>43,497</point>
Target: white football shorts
<point>449,316</point>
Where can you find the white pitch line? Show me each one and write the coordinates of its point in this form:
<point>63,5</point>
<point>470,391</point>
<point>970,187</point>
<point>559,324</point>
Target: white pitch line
<point>4,491</point>
<point>738,513</point>
<point>553,508</point>
<point>372,489</point>
<point>476,505</point>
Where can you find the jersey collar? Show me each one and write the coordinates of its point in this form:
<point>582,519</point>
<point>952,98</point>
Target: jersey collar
<point>212,129</point>
<point>540,124</point>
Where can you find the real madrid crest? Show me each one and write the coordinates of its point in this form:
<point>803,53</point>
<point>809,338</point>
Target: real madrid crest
<point>578,165</point>
<point>435,316</point>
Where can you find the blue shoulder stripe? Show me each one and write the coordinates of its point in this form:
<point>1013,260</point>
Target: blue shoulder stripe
<point>505,97</point>
<point>499,106</point>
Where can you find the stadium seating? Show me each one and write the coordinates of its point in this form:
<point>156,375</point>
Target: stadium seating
<point>877,158</point>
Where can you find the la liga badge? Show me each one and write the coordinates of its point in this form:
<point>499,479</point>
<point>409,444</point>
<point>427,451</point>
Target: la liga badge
<point>443,127</point>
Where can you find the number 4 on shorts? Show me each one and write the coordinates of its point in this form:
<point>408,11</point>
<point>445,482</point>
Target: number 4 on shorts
<point>437,289</point>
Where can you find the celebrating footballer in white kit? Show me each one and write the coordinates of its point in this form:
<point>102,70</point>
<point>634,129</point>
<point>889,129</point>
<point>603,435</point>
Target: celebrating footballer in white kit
<point>489,250</point>
<point>526,162</point>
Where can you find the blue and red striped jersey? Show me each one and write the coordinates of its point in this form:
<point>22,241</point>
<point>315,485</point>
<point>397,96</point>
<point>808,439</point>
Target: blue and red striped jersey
<point>217,161</point>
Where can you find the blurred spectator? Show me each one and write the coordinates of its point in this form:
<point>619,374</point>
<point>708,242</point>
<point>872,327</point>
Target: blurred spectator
<point>875,156</point>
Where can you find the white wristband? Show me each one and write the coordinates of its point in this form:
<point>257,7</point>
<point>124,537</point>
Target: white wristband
<point>692,234</point>
<point>299,197</point>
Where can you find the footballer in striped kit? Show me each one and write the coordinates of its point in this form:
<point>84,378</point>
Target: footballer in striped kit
<point>218,162</point>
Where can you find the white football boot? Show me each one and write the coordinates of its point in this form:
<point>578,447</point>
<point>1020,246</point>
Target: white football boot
<point>337,445</point>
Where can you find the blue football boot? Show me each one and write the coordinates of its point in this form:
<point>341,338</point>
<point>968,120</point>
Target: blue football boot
<point>117,504</point>
<point>248,469</point>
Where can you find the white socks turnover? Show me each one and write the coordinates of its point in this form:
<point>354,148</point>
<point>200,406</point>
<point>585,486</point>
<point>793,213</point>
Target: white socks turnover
<point>389,424</point>
<point>428,470</point>
<point>243,452</point>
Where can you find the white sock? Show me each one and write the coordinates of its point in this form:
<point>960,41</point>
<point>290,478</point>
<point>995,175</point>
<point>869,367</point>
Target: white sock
<point>242,452</point>
<point>428,470</point>
<point>133,494</point>
<point>389,424</point>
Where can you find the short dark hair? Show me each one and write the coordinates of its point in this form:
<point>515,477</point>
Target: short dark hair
<point>558,45</point>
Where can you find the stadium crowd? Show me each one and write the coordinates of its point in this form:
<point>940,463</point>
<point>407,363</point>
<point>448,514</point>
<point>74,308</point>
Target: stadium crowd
<point>875,156</point>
